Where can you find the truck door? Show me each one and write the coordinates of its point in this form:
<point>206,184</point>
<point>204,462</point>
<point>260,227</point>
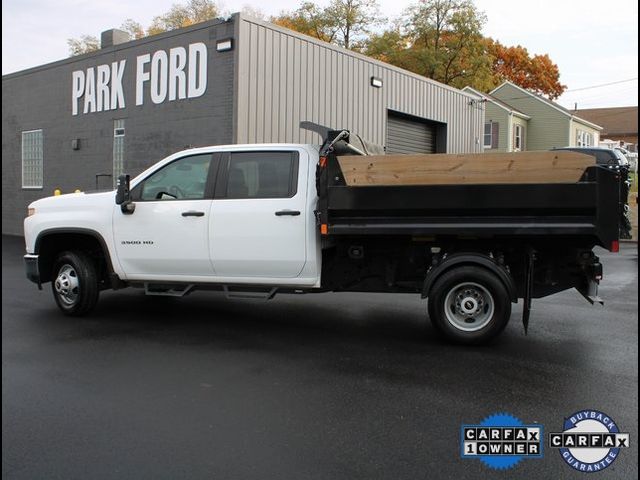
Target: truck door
<point>258,217</point>
<point>168,233</point>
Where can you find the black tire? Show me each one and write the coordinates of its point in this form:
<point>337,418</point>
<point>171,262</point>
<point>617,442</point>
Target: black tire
<point>74,283</point>
<point>469,305</point>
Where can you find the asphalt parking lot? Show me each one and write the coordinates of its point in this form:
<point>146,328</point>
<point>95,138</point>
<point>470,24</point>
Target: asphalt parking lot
<point>325,386</point>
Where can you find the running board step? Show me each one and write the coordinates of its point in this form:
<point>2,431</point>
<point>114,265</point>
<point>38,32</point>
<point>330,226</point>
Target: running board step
<point>167,290</point>
<point>255,293</point>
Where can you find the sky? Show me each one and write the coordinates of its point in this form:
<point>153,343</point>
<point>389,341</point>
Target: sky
<point>594,43</point>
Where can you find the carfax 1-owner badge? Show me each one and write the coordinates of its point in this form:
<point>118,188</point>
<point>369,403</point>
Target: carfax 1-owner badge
<point>590,441</point>
<point>501,441</point>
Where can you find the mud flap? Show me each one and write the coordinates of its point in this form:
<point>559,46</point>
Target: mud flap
<point>589,288</point>
<point>528,289</point>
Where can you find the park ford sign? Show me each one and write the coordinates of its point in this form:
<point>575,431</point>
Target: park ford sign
<point>167,75</point>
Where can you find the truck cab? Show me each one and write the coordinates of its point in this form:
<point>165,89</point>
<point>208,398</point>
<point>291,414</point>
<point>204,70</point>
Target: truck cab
<point>224,214</point>
<point>221,215</point>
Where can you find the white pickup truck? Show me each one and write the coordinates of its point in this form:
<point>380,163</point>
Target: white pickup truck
<point>254,220</point>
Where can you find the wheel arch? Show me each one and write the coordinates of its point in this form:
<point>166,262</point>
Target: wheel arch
<point>52,241</point>
<point>470,259</point>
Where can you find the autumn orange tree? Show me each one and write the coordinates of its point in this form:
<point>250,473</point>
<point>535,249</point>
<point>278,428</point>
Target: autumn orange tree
<point>537,74</point>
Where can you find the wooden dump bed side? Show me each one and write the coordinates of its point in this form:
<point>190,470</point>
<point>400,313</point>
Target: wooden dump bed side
<point>542,167</point>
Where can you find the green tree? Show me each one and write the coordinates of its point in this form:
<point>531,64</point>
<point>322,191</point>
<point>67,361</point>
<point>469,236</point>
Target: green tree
<point>343,22</point>
<point>352,20</point>
<point>447,44</point>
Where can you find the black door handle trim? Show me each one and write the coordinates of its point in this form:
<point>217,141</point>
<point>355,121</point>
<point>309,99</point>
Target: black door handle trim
<point>293,213</point>
<point>192,213</point>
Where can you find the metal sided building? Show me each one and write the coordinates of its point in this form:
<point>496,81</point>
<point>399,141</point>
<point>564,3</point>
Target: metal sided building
<point>80,122</point>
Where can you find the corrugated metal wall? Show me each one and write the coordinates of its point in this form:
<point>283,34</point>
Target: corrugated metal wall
<point>285,78</point>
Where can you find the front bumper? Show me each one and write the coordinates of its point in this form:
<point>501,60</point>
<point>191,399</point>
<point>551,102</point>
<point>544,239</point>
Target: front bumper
<point>31,268</point>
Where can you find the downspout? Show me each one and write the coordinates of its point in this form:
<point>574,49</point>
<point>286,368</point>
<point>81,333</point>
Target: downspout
<point>510,132</point>
<point>570,128</point>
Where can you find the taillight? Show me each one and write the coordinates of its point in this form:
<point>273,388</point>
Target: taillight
<point>615,246</point>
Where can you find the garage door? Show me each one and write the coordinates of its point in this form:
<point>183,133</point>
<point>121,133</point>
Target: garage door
<point>405,135</point>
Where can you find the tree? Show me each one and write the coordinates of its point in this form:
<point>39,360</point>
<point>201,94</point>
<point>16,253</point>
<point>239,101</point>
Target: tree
<point>133,28</point>
<point>440,39</point>
<point>308,19</point>
<point>537,74</point>
<point>84,44</point>
<point>179,16</point>
<point>343,22</point>
<point>253,12</point>
<point>352,20</point>
<point>447,43</point>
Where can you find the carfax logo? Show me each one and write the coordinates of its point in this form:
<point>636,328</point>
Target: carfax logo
<point>590,441</point>
<point>501,441</point>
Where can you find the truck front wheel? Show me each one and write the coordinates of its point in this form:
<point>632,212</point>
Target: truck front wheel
<point>75,283</point>
<point>469,305</point>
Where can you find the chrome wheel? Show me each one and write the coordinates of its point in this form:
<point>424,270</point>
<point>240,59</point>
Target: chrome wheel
<point>67,285</point>
<point>469,307</point>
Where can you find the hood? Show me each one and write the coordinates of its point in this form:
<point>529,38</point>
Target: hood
<point>72,200</point>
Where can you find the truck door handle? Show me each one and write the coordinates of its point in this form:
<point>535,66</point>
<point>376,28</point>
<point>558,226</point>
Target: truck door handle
<point>293,213</point>
<point>192,213</point>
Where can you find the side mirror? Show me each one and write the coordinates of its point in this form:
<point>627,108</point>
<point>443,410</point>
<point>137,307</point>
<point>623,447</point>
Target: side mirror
<point>123,195</point>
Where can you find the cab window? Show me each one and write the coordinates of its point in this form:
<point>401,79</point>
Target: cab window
<point>262,175</point>
<point>184,179</point>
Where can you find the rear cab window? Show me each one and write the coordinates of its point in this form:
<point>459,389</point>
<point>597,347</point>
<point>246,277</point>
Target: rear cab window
<point>259,174</point>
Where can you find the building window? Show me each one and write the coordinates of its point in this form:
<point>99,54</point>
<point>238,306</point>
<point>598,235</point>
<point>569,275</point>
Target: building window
<point>118,150</point>
<point>491,132</point>
<point>487,135</point>
<point>32,159</point>
<point>584,139</point>
<point>518,138</point>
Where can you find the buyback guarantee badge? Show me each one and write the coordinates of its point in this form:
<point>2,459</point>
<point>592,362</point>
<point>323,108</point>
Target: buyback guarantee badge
<point>501,441</point>
<point>590,441</point>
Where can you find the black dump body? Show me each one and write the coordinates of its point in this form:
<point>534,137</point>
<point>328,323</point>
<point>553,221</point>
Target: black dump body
<point>585,210</point>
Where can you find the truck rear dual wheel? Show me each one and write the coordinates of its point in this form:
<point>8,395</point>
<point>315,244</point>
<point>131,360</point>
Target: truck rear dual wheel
<point>469,305</point>
<point>74,283</point>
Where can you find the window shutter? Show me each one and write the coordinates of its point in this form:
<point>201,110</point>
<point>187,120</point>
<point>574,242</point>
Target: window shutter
<point>495,131</point>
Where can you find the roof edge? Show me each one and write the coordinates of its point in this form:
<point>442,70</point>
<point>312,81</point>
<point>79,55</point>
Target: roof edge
<point>120,46</point>
<point>488,98</point>
<point>549,103</point>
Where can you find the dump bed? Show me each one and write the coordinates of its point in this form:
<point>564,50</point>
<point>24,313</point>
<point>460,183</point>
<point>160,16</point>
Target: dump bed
<point>587,208</point>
